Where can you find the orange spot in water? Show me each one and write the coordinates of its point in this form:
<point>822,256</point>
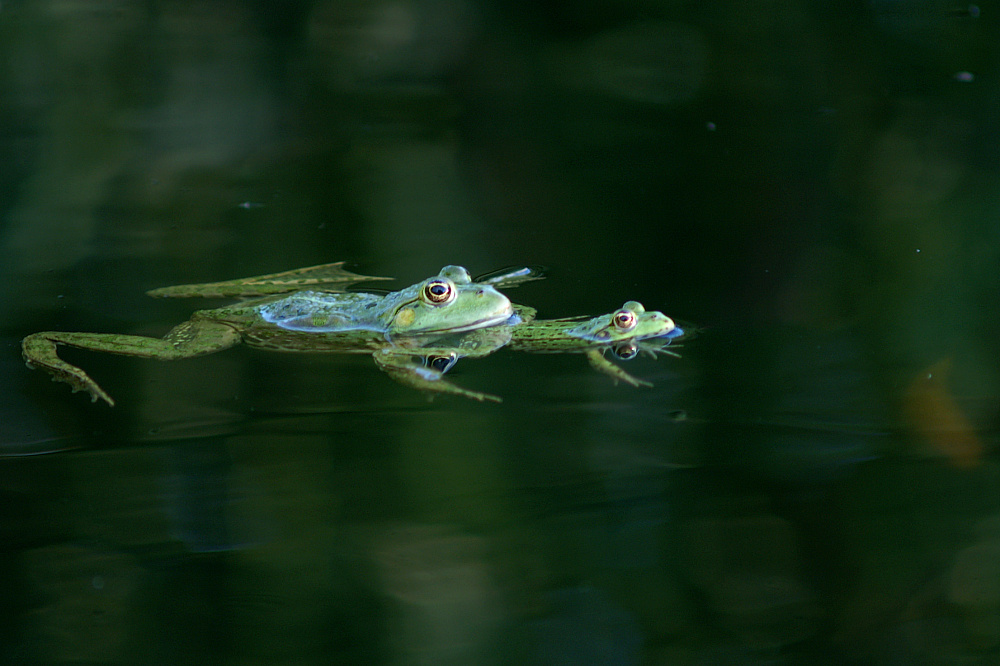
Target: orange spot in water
<point>938,420</point>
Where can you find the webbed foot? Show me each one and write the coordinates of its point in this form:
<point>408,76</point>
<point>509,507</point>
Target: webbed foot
<point>39,351</point>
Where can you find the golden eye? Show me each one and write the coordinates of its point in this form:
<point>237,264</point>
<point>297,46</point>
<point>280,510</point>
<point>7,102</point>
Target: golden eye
<point>438,291</point>
<point>624,320</point>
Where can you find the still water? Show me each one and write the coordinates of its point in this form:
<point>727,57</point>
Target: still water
<point>812,185</point>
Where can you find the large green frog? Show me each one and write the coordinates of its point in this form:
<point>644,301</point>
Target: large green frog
<point>315,317</point>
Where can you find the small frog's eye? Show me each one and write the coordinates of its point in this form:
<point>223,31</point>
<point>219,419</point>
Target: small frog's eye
<point>438,291</point>
<point>625,350</point>
<point>624,320</point>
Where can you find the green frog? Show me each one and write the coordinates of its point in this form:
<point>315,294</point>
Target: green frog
<point>625,332</point>
<point>315,317</point>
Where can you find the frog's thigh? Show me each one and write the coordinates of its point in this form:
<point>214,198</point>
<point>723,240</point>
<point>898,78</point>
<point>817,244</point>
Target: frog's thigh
<point>603,365</point>
<point>194,338</point>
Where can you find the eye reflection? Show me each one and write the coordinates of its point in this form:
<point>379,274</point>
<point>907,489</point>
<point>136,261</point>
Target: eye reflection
<point>442,363</point>
<point>625,350</point>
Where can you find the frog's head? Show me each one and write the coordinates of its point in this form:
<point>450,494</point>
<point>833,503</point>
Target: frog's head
<point>447,303</point>
<point>630,322</point>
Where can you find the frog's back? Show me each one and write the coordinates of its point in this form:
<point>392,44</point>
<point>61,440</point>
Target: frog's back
<point>311,311</point>
<point>323,312</point>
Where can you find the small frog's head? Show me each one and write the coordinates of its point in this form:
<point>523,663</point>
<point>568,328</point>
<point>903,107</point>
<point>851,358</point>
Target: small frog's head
<point>448,303</point>
<point>630,322</point>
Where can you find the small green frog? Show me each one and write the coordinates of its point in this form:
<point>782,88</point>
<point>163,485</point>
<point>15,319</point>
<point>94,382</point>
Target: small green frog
<point>315,317</point>
<point>623,332</point>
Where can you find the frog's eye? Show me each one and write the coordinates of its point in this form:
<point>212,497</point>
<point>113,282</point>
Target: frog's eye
<point>624,320</point>
<point>625,350</point>
<point>438,291</point>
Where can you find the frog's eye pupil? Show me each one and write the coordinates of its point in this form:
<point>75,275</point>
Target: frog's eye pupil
<point>439,292</point>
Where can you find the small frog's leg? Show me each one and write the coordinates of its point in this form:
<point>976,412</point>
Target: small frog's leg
<point>327,277</point>
<point>603,365</point>
<point>399,365</point>
<point>192,338</point>
<point>656,346</point>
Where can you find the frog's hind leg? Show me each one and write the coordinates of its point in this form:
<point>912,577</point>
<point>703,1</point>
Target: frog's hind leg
<point>604,366</point>
<point>192,338</point>
<point>401,367</point>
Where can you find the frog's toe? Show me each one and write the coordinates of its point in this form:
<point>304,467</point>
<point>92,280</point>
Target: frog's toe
<point>629,379</point>
<point>87,384</point>
<point>482,397</point>
<point>97,393</point>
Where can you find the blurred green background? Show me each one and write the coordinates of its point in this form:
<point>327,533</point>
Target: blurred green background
<point>813,185</point>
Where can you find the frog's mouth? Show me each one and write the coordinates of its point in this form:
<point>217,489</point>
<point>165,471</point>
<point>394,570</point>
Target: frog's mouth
<point>493,320</point>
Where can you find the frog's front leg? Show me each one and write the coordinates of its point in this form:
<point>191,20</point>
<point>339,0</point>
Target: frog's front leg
<point>603,365</point>
<point>192,338</point>
<point>400,365</point>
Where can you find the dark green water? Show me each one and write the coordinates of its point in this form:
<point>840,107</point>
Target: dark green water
<point>813,185</point>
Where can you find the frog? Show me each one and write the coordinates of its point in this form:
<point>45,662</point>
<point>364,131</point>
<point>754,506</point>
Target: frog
<point>625,333</point>
<point>305,310</point>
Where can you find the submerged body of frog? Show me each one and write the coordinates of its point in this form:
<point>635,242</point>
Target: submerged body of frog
<point>390,327</point>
